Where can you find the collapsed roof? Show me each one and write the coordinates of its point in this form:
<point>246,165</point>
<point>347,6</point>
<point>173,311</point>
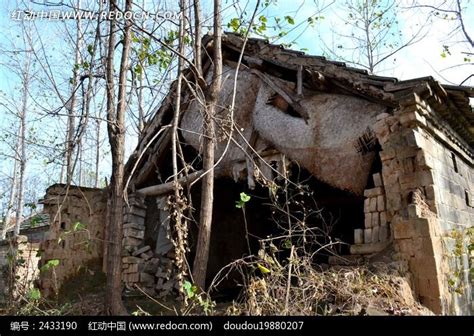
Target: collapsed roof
<point>294,77</point>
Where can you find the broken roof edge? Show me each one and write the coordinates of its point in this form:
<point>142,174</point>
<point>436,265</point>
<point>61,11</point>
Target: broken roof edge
<point>467,89</point>
<point>72,186</point>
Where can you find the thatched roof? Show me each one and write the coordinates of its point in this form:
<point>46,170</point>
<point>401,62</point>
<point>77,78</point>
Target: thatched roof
<point>450,102</point>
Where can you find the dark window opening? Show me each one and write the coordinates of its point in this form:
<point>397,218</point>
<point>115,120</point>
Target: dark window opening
<point>455,164</point>
<point>467,197</point>
<point>376,168</point>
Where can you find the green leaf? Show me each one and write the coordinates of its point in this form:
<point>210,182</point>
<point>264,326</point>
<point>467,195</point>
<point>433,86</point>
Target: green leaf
<point>445,51</point>
<point>286,244</point>
<point>244,197</point>
<point>190,289</point>
<point>152,59</point>
<point>34,294</point>
<point>90,49</point>
<point>138,69</point>
<point>289,19</point>
<point>50,264</point>
<point>263,269</point>
<point>187,40</point>
<point>53,262</point>
<point>234,24</point>
<point>78,226</point>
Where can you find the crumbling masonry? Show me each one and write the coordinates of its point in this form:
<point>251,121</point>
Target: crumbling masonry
<point>396,157</point>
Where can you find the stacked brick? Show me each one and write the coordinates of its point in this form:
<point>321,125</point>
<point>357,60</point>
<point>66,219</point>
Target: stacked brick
<point>133,242</point>
<point>408,173</point>
<point>376,224</point>
<point>152,274</point>
<point>139,269</point>
<point>134,223</point>
<point>376,227</point>
<point>141,266</point>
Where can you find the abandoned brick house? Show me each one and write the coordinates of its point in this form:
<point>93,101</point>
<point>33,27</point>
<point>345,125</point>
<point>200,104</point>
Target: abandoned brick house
<point>391,162</point>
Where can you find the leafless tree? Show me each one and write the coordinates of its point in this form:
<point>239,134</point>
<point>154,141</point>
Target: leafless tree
<point>21,66</point>
<point>209,140</point>
<point>373,36</point>
<point>453,12</point>
<point>116,131</point>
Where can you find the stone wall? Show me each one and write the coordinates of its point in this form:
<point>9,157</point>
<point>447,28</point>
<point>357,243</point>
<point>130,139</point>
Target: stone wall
<point>76,232</point>
<point>425,199</point>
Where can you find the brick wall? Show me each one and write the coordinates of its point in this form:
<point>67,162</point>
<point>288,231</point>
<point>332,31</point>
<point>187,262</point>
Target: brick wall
<point>23,258</point>
<point>76,232</point>
<point>426,201</point>
<point>452,191</point>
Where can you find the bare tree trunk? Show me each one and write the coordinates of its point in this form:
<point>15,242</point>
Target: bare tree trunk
<point>71,124</point>
<point>97,153</point>
<point>369,44</point>
<point>141,113</point>
<point>22,149</point>
<point>13,190</point>
<point>116,132</point>
<point>197,37</point>
<point>61,174</point>
<point>207,193</point>
<point>140,88</point>
<point>80,173</point>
